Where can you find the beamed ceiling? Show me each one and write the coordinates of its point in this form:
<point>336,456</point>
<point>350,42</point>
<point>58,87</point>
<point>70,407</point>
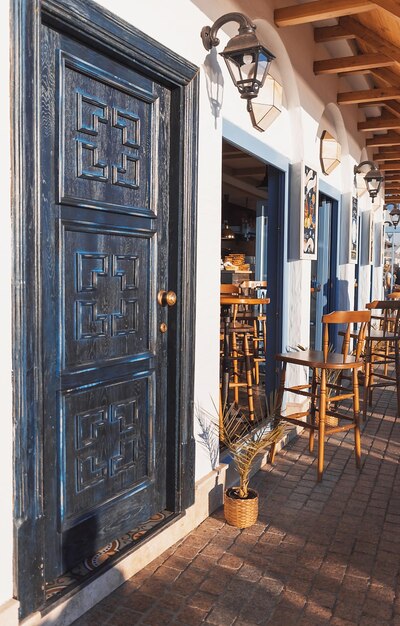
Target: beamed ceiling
<point>374,28</point>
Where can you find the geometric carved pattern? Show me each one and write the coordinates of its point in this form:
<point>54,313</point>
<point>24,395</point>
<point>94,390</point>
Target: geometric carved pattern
<point>89,267</point>
<point>124,165</point>
<point>127,267</point>
<point>120,319</point>
<point>125,321</point>
<point>106,443</point>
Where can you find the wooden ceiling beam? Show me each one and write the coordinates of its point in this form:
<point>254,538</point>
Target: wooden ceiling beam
<point>392,177</point>
<point>385,77</point>
<point>239,184</point>
<point>352,63</point>
<point>370,37</point>
<point>391,6</point>
<point>383,140</point>
<point>386,155</point>
<point>323,34</point>
<point>319,10</point>
<point>368,95</point>
<point>392,166</point>
<point>379,123</point>
<point>257,172</point>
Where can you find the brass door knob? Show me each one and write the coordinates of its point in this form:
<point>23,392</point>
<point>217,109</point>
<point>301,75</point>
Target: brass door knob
<point>166,298</point>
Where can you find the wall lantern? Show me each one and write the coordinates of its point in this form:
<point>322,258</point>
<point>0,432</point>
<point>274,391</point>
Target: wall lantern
<point>330,152</point>
<point>373,178</point>
<point>246,58</point>
<point>394,214</point>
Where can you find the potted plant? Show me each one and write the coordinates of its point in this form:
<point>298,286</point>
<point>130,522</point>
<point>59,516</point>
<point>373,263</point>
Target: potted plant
<point>245,442</point>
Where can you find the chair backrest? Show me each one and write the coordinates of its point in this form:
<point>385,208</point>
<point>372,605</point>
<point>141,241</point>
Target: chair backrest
<point>228,289</point>
<point>355,322</point>
<point>395,295</point>
<point>253,287</point>
<point>386,315</point>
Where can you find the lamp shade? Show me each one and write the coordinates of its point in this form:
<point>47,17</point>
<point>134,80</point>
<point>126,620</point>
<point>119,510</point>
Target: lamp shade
<point>373,180</point>
<point>395,215</point>
<point>248,62</point>
<point>330,152</point>
<point>266,108</point>
<point>226,232</point>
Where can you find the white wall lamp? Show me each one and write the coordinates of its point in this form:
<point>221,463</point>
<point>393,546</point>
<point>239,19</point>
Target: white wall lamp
<point>330,152</point>
<point>373,178</point>
<point>248,62</point>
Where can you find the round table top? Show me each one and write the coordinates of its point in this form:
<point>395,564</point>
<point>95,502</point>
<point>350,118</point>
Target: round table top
<point>226,299</point>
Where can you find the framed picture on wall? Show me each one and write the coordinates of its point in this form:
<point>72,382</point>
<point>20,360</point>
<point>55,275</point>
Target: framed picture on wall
<point>308,213</point>
<point>353,231</point>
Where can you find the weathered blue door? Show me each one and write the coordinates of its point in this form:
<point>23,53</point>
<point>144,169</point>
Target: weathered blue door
<point>106,162</point>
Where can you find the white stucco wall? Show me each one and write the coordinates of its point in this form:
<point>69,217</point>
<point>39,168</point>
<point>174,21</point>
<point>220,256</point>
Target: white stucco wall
<point>6,479</point>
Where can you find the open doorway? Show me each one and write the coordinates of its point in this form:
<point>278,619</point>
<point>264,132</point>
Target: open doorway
<point>323,269</point>
<point>252,249</point>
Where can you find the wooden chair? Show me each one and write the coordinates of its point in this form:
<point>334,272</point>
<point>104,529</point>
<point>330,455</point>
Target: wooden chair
<point>395,295</point>
<point>327,388</point>
<point>382,349</point>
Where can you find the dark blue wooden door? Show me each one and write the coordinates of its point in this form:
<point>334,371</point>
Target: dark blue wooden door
<point>104,224</point>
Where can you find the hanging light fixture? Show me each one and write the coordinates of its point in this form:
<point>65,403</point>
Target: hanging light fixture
<point>246,58</point>
<point>330,152</point>
<point>394,214</point>
<point>373,178</point>
<point>226,232</point>
<point>267,106</point>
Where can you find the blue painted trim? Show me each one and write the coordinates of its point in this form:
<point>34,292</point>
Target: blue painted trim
<point>330,191</point>
<point>262,151</point>
<point>336,241</point>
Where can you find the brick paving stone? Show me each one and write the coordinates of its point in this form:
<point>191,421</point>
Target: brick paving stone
<point>320,553</point>
<point>189,615</point>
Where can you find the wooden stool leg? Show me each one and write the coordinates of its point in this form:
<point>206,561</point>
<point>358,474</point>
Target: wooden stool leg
<point>371,379</point>
<point>272,452</point>
<point>235,368</point>
<point>356,417</point>
<point>256,341</point>
<point>367,379</point>
<point>312,411</point>
<point>321,424</point>
<point>249,376</point>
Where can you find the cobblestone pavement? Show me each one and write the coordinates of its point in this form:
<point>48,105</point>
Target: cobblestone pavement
<point>326,553</point>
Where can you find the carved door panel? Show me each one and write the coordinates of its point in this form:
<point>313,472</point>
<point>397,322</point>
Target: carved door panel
<point>105,200</point>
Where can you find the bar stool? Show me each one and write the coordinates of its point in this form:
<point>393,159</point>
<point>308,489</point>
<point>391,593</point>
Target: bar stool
<point>236,351</point>
<point>324,391</point>
<point>256,316</point>
<point>382,350</point>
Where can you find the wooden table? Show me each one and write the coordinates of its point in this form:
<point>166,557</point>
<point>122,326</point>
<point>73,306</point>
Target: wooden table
<point>227,302</point>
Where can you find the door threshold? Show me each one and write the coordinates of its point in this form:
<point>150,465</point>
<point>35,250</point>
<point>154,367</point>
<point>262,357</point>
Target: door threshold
<point>78,577</point>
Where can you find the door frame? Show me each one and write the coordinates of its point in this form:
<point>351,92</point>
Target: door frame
<point>112,36</point>
<point>278,178</point>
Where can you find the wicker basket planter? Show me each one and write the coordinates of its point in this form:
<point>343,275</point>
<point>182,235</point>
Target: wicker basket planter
<point>240,512</point>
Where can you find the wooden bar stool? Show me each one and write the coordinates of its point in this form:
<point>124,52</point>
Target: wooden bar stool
<point>327,388</point>
<point>382,350</point>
